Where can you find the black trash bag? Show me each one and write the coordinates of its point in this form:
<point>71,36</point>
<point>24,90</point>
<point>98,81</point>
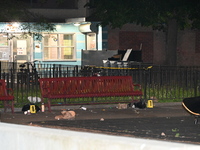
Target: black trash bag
<point>27,107</point>
<point>141,104</point>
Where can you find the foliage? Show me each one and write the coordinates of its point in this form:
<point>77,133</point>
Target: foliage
<point>17,11</point>
<point>155,13</point>
<point>165,15</point>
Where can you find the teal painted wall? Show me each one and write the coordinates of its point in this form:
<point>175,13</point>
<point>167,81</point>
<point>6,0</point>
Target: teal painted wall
<point>79,44</point>
<point>80,41</point>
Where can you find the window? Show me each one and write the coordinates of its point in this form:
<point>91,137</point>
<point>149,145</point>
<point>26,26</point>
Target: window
<point>4,50</point>
<point>58,47</point>
<point>3,40</point>
<point>91,41</point>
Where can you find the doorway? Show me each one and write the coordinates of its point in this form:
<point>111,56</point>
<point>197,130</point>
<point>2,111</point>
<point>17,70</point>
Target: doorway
<point>21,49</point>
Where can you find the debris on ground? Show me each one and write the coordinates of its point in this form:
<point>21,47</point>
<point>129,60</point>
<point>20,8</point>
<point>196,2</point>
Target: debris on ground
<point>163,134</point>
<point>93,111</point>
<point>137,112</point>
<point>154,99</point>
<point>31,124</point>
<point>177,135</point>
<point>66,115</point>
<point>175,130</point>
<point>28,107</point>
<point>122,106</point>
<point>83,108</point>
<point>34,99</point>
<point>102,119</point>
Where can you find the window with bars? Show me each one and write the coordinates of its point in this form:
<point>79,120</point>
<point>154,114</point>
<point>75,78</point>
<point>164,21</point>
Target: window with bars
<point>59,47</point>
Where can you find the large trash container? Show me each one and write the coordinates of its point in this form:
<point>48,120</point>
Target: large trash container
<point>106,63</point>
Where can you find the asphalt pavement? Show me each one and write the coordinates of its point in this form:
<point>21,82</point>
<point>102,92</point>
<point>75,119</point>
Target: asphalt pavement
<point>165,121</point>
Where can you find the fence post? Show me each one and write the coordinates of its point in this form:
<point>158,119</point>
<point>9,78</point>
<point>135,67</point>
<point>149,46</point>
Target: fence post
<point>54,70</point>
<point>12,78</point>
<point>195,80</point>
<point>0,69</point>
<point>76,71</point>
<point>145,84</point>
<point>60,71</point>
<point>67,71</point>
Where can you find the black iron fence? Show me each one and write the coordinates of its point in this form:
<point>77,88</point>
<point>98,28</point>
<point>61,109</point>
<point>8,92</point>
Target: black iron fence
<point>158,82</point>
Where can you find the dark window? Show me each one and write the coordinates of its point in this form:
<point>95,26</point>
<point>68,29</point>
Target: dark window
<point>138,41</point>
<point>197,45</point>
<point>51,4</point>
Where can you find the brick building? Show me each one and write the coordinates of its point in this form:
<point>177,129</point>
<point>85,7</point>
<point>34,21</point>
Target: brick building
<point>152,43</point>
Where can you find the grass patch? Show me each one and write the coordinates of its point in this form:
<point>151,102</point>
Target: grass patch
<point>161,93</point>
<point>170,94</point>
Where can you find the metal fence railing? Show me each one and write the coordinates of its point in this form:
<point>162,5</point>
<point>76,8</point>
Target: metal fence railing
<point>161,82</point>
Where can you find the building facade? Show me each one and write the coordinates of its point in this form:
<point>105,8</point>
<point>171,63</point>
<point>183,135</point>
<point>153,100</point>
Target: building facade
<point>152,43</point>
<point>73,34</point>
<point>64,46</point>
